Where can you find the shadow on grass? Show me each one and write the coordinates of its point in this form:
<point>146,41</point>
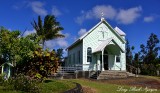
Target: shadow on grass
<point>47,81</point>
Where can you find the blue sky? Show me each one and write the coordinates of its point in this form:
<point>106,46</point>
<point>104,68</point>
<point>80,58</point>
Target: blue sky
<point>137,18</point>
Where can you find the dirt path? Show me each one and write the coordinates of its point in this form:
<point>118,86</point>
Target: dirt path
<point>87,89</point>
<point>141,81</point>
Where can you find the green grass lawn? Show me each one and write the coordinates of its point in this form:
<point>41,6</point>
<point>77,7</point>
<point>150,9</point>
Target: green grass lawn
<point>49,86</point>
<point>105,86</point>
<point>56,86</point>
<point>7,91</point>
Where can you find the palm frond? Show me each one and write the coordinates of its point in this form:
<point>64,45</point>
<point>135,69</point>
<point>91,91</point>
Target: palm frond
<point>49,29</point>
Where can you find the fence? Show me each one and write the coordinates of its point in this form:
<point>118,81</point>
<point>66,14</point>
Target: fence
<point>77,71</point>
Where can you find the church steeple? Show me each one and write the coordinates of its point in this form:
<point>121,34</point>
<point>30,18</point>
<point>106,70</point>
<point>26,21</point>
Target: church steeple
<point>102,16</point>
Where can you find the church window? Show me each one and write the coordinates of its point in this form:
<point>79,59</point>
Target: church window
<point>117,59</point>
<point>79,56</point>
<point>89,54</point>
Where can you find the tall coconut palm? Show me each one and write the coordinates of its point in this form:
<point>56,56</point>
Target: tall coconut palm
<point>49,29</point>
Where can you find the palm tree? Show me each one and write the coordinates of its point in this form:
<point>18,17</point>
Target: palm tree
<point>48,30</point>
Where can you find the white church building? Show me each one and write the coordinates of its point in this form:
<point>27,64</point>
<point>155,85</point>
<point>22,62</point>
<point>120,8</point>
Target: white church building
<point>101,48</point>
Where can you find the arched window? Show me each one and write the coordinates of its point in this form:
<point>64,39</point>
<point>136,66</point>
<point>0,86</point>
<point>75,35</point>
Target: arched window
<point>89,54</point>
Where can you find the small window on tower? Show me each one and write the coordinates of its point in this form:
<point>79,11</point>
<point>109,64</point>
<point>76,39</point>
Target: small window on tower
<point>117,58</point>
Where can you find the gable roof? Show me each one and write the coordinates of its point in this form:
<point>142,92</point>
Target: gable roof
<point>102,21</point>
<point>102,46</point>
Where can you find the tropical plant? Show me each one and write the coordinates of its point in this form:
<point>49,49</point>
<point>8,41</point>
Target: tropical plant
<point>42,63</point>
<point>47,30</point>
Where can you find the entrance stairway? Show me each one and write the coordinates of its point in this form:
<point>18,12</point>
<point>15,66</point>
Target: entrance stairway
<point>108,74</point>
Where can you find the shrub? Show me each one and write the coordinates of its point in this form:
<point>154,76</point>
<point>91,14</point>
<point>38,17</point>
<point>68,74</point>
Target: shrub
<point>1,79</point>
<point>148,69</point>
<point>26,84</point>
<point>21,83</point>
<point>41,64</point>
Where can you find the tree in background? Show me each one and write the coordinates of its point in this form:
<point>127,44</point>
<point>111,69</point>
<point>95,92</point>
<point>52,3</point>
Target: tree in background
<point>149,55</point>
<point>26,55</point>
<point>136,60</point>
<point>47,30</point>
<point>15,49</point>
<point>9,45</point>
<point>129,57</point>
<point>59,55</point>
<point>129,54</point>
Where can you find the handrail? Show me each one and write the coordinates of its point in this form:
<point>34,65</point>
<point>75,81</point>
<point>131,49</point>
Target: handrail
<point>131,66</point>
<point>117,66</point>
<point>136,69</point>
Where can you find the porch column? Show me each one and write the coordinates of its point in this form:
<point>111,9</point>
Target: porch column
<point>98,62</point>
<point>9,72</point>
<point>102,61</point>
<point>2,69</point>
<point>114,62</point>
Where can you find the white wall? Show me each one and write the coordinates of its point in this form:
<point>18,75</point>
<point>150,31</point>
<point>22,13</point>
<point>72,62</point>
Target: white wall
<point>73,55</point>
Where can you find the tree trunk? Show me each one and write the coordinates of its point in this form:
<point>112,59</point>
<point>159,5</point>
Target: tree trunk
<point>43,41</point>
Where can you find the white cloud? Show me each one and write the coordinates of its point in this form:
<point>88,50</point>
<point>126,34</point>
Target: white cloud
<point>96,12</point>
<point>80,19</point>
<point>108,11</point>
<point>128,16</point>
<point>51,44</point>
<point>27,32</point>
<point>62,42</point>
<point>38,7</point>
<point>148,19</point>
<point>123,16</point>
<point>56,11</point>
<point>20,5</point>
<point>82,32</point>
<point>59,42</point>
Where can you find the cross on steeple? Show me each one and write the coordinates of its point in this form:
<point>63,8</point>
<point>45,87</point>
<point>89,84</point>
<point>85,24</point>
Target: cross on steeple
<point>102,16</point>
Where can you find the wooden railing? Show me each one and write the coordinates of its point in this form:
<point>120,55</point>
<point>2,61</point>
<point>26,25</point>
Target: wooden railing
<point>132,69</point>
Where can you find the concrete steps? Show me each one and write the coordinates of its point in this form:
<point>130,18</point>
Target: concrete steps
<point>114,74</point>
<point>130,74</point>
<point>95,74</point>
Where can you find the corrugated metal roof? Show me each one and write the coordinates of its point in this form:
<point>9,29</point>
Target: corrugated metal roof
<point>102,46</point>
<point>119,31</point>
